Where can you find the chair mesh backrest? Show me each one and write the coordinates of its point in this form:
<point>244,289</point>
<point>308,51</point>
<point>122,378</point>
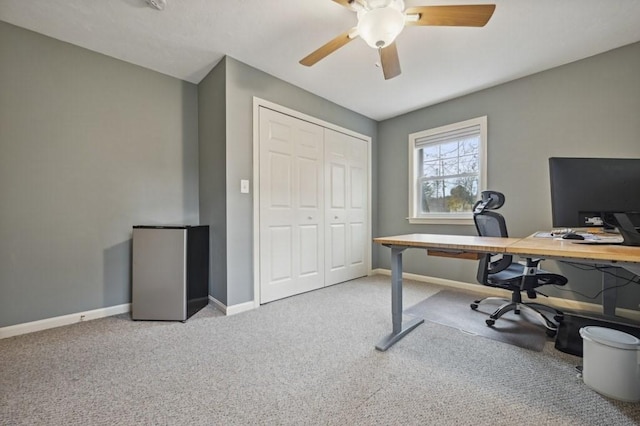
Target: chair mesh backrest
<point>490,224</point>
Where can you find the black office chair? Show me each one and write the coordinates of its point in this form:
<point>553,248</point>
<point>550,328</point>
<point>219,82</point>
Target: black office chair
<point>501,271</point>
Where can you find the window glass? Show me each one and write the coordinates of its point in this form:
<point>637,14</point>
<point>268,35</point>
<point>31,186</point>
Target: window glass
<point>448,171</point>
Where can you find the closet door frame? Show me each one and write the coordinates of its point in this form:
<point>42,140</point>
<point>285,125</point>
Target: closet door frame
<point>255,187</point>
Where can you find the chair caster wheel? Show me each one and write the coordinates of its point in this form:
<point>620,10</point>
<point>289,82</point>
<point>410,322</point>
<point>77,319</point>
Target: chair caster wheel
<point>490,322</point>
<point>474,306</point>
<point>551,333</point>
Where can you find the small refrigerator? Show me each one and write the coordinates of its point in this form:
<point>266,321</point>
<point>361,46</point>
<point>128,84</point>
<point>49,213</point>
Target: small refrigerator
<point>170,272</point>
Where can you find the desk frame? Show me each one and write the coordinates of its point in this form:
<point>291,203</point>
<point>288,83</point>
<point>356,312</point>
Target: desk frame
<point>398,329</point>
<point>613,256</point>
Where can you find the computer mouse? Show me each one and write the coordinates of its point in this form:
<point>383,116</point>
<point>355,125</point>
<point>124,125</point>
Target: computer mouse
<point>572,236</point>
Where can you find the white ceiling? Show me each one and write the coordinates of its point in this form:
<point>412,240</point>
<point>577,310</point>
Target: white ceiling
<point>438,63</point>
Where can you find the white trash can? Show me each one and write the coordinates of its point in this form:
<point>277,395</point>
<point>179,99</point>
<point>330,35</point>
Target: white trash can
<point>611,363</point>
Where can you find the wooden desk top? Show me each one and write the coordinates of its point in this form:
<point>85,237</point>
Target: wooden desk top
<point>467,243</point>
<point>557,248</point>
<point>529,246</point>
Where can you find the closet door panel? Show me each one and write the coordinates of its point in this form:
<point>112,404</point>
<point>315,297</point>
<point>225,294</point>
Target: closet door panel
<point>346,211</point>
<point>357,207</point>
<point>291,206</point>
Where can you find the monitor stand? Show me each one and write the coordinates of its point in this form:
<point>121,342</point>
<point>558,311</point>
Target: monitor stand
<point>629,232</point>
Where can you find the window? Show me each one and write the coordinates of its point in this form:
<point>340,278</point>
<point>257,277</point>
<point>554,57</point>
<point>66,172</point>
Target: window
<point>447,172</point>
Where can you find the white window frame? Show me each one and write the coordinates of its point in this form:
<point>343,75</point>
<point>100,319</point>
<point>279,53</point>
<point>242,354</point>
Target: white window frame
<point>453,218</point>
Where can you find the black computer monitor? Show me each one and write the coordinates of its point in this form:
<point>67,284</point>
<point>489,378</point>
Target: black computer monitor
<point>588,192</point>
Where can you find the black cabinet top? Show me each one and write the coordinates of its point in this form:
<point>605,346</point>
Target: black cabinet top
<point>169,226</point>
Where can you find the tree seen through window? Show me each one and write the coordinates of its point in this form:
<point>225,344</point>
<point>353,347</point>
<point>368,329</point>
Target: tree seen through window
<point>449,175</point>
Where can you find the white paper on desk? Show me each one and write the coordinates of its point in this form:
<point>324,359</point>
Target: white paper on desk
<point>544,235</point>
<point>599,240</point>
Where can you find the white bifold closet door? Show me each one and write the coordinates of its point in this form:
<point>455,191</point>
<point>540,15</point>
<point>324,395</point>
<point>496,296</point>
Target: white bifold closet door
<point>313,206</point>
<point>346,207</point>
<point>291,206</point>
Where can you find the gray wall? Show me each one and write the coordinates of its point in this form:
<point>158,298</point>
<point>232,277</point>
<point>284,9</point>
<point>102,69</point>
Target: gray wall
<point>89,146</point>
<point>587,108</point>
<point>213,173</point>
<point>242,84</point>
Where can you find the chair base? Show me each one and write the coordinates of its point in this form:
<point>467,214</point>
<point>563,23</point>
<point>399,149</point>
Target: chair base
<point>516,307</point>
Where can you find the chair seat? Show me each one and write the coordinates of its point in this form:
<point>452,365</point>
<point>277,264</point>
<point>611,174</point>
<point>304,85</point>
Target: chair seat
<point>511,278</point>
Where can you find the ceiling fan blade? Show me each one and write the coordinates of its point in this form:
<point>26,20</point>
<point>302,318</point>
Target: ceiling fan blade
<point>328,48</point>
<point>390,61</point>
<point>473,15</point>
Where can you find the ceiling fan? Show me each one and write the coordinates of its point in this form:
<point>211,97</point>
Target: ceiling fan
<point>380,22</point>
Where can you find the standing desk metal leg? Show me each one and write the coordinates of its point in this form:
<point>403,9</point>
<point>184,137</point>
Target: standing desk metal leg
<point>609,295</point>
<point>396,303</point>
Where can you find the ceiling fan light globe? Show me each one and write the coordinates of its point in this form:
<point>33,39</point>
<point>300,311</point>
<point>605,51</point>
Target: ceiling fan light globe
<point>380,27</point>
<point>374,4</point>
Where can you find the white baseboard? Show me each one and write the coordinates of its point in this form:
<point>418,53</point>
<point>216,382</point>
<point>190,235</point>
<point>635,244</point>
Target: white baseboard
<point>556,302</point>
<point>233,309</point>
<point>45,324</point>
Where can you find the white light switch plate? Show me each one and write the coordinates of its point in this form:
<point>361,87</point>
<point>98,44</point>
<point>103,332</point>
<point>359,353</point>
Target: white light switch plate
<point>244,186</point>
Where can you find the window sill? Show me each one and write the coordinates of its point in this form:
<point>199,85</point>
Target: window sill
<point>442,220</point>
